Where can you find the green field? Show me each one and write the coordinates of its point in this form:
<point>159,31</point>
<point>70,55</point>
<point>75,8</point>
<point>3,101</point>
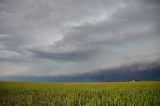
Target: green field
<point>146,93</point>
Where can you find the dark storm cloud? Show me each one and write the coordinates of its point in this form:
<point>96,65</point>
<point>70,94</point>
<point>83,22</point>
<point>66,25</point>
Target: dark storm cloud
<point>129,21</point>
<point>151,72</point>
<point>79,36</point>
<point>135,71</point>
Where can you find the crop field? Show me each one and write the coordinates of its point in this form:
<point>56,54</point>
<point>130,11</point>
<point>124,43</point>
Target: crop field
<point>143,93</point>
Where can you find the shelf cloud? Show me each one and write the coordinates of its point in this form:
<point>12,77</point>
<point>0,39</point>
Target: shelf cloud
<point>77,38</point>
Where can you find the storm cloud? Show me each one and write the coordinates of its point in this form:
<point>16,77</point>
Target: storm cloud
<point>75,37</point>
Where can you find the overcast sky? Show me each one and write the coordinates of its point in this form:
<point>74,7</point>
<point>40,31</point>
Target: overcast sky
<point>70,37</point>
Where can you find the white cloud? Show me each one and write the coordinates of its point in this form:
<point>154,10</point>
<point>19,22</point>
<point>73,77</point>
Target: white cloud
<point>13,69</point>
<point>8,54</point>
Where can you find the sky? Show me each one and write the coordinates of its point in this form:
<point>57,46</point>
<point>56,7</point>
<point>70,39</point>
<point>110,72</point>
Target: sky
<point>83,39</point>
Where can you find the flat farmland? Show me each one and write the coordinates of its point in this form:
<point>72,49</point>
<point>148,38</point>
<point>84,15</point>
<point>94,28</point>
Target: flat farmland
<point>140,93</point>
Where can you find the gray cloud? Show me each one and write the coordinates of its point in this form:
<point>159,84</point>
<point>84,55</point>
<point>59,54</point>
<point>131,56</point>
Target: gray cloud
<point>65,56</point>
<point>4,37</point>
<point>80,36</point>
<point>124,74</point>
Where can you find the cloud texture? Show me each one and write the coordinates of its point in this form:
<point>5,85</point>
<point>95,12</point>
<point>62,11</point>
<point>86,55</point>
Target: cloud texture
<point>75,37</point>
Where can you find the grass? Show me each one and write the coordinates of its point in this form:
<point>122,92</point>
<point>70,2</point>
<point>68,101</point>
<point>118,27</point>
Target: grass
<point>143,93</point>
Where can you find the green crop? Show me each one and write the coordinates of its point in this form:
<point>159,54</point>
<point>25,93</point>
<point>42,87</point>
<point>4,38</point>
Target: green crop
<point>80,94</point>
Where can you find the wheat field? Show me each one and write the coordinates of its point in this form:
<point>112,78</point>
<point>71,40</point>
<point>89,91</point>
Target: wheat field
<point>141,93</point>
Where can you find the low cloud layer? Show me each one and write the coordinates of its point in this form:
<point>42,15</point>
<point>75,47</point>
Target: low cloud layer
<point>75,37</point>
